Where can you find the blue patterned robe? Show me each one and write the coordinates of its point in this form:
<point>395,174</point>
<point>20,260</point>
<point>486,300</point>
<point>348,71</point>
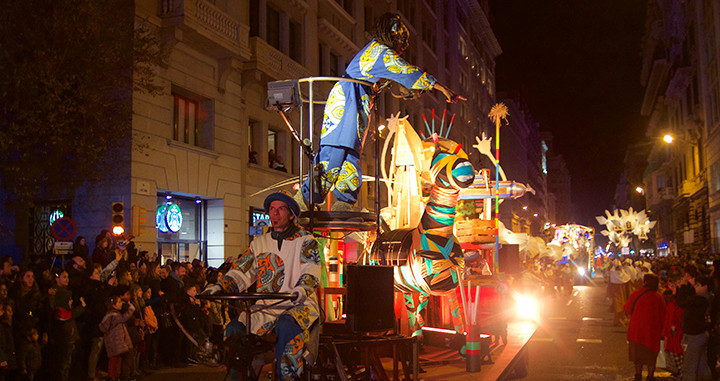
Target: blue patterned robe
<point>347,113</point>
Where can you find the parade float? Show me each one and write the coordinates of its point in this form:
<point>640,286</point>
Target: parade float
<point>429,262</point>
<point>626,230</point>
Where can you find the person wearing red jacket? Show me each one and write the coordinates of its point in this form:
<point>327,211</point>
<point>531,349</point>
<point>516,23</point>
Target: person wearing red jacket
<point>672,330</point>
<point>646,308</point>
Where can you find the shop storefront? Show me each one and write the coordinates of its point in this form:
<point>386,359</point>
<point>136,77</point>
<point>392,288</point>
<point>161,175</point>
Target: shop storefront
<point>181,224</point>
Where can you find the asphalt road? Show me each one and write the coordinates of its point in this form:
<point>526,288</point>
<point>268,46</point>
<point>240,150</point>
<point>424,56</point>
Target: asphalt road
<point>576,340</point>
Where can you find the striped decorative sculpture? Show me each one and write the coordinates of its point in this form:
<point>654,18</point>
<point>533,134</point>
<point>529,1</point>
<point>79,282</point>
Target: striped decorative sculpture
<point>427,258</point>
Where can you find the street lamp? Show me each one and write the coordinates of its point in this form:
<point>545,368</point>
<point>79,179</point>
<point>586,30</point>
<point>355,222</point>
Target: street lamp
<point>639,189</point>
<point>668,138</point>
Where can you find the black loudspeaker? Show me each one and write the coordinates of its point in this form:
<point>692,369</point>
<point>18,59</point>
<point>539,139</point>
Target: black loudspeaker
<point>509,259</point>
<point>369,298</point>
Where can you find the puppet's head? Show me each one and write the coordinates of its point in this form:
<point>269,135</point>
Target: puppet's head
<point>391,31</point>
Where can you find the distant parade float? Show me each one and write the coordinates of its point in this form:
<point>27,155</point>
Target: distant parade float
<point>622,225</point>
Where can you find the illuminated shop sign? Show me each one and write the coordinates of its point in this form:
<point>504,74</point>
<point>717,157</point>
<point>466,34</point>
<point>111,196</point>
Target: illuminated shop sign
<point>56,215</point>
<point>174,218</point>
<point>168,218</point>
<point>160,223</point>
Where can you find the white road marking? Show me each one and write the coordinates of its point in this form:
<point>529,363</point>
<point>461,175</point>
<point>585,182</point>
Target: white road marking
<point>592,341</point>
<point>543,339</point>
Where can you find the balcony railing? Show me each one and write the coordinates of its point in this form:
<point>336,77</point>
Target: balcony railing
<point>213,28</point>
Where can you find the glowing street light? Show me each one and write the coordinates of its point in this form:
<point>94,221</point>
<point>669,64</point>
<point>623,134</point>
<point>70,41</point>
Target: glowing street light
<point>639,189</point>
<point>668,138</point>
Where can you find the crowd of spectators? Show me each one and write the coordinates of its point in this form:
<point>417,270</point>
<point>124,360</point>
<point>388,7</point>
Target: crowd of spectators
<point>686,318</point>
<point>667,304</point>
<point>689,323</point>
<point>109,312</point>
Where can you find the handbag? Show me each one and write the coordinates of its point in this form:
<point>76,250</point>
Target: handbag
<point>661,361</point>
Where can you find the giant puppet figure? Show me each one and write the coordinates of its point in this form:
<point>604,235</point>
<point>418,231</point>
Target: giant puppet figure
<point>348,108</point>
<point>431,264</point>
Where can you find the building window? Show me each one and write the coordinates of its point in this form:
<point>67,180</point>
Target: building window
<point>272,146</point>
<point>254,18</point>
<point>333,65</point>
<point>192,119</point>
<point>276,150</point>
<point>321,62</point>
<point>462,47</point>
<point>369,21</point>
<point>346,5</point>
<point>185,121</point>
<point>253,130</point>
<point>428,34</point>
<point>273,28</point>
<point>295,41</point>
<point>181,232</point>
<point>715,177</point>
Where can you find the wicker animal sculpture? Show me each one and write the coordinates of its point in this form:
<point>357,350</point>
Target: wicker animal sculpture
<point>428,259</point>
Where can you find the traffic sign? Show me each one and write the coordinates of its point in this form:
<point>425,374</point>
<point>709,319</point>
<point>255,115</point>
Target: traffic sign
<point>64,229</point>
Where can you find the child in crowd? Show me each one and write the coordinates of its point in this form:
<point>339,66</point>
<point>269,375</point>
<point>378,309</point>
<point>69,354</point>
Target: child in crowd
<point>117,338</point>
<point>30,354</point>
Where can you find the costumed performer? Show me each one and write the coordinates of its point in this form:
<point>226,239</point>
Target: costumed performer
<point>348,106</point>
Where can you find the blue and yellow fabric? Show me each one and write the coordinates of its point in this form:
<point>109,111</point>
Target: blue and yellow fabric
<point>347,113</point>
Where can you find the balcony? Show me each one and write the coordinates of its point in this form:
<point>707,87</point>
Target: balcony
<point>206,27</point>
<point>273,62</point>
<point>693,185</point>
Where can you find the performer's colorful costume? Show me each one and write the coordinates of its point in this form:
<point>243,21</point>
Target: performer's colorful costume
<point>347,114</point>
<point>280,267</point>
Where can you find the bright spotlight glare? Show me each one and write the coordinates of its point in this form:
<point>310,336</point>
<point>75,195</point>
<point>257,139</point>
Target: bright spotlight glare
<point>527,307</point>
<point>581,271</point>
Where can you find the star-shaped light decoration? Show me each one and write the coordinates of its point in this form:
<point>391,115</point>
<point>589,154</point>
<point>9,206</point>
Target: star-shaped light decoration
<point>623,224</point>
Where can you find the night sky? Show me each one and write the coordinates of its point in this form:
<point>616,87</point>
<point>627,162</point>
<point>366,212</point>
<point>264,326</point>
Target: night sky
<point>577,64</point>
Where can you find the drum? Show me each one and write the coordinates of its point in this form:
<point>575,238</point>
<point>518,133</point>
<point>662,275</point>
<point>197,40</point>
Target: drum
<point>395,245</point>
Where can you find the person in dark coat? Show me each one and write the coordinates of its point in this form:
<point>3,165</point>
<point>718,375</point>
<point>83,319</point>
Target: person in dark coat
<point>7,344</point>
<point>80,248</point>
<point>29,354</point>
<point>171,336</point>
<point>646,308</point>
<point>30,311</point>
<point>64,332</point>
<point>694,298</point>
<point>103,253</point>
<point>96,294</point>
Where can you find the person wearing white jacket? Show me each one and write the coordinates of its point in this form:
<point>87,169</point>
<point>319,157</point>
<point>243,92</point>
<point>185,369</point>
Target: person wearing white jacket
<point>284,260</point>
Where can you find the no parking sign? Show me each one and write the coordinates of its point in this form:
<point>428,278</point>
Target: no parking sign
<point>64,229</point>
